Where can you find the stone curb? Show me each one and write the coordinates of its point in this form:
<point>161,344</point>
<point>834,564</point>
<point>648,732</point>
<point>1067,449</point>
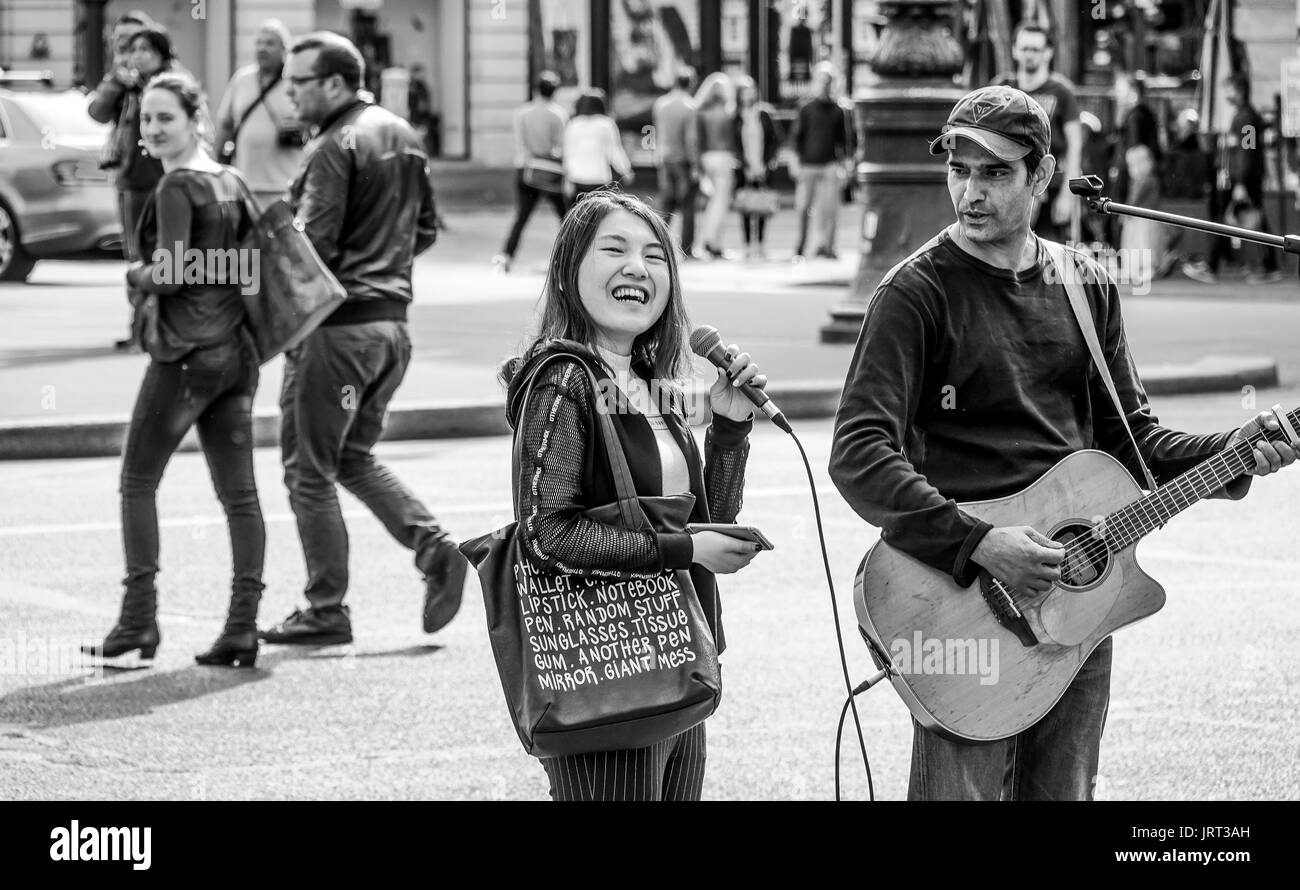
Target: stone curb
<point>801,400</point>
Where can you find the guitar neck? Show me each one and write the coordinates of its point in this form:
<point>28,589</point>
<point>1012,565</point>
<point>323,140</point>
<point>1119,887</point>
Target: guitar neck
<point>1130,524</point>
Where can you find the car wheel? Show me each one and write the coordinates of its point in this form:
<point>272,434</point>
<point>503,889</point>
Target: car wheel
<point>15,263</point>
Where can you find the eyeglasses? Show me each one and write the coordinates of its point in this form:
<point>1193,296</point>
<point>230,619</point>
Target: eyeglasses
<point>299,81</point>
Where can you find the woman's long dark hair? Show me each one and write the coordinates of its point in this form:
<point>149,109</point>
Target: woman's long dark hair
<point>664,346</point>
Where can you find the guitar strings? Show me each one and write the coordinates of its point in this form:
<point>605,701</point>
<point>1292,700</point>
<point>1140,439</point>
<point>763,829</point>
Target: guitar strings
<point>1095,548</point>
<point>1153,507</point>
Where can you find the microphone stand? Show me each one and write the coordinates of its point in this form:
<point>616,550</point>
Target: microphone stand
<point>1089,188</point>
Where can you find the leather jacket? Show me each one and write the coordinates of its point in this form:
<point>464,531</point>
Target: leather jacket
<point>365,200</point>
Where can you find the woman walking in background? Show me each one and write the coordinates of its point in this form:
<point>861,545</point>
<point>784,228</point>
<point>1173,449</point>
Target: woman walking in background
<point>203,372</point>
<point>758,142</point>
<point>716,120</point>
<point>593,151</point>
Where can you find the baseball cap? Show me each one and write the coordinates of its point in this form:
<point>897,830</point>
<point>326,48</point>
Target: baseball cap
<point>1005,121</point>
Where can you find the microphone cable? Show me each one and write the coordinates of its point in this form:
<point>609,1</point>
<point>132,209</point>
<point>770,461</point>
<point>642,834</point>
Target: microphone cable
<point>839,737</point>
<point>850,703</point>
<point>706,342</point>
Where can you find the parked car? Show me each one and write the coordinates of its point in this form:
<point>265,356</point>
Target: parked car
<point>55,201</point>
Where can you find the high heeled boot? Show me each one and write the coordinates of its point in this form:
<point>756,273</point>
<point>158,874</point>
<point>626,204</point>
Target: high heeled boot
<point>238,640</point>
<point>136,628</point>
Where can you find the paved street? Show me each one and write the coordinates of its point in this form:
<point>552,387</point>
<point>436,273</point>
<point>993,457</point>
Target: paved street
<point>56,360</point>
<point>1205,698</point>
<point>1205,695</point>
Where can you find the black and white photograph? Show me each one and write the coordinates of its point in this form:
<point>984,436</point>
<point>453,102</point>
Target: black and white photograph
<point>747,401</point>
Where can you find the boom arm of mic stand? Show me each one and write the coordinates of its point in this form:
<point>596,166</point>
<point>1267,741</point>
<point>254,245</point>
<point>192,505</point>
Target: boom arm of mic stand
<point>1101,204</point>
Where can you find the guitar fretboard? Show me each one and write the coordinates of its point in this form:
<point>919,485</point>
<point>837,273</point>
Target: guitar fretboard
<point>1130,524</point>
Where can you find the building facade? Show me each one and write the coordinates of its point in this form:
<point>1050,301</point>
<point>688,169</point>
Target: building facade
<point>473,55</point>
<point>478,57</point>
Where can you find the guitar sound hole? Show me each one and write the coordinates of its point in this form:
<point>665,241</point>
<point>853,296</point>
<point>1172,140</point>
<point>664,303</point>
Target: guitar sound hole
<point>1087,559</point>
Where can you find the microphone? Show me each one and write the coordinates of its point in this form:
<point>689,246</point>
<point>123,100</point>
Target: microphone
<point>706,342</point>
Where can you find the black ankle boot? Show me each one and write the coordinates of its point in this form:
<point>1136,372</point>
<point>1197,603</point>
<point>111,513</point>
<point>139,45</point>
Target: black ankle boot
<point>238,641</point>
<point>136,628</point>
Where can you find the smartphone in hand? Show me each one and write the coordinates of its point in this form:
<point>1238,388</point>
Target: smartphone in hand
<point>743,532</point>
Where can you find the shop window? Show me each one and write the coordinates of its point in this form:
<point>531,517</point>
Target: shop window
<point>649,43</point>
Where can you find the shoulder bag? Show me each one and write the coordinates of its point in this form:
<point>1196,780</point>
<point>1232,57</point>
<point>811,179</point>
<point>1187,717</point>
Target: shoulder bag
<point>545,175</point>
<point>597,664</point>
<point>297,290</point>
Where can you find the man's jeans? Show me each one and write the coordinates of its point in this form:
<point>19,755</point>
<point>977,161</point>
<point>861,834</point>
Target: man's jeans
<point>1055,759</point>
<point>677,190</point>
<point>817,195</point>
<point>212,388</point>
<point>337,386</point>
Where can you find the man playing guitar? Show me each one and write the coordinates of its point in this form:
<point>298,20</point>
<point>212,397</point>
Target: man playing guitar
<point>971,378</point>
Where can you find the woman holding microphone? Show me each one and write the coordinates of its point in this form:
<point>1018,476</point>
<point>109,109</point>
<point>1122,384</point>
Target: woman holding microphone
<point>613,303</point>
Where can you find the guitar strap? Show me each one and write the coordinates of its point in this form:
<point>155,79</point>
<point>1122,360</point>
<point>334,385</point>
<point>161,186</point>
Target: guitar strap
<point>1067,271</point>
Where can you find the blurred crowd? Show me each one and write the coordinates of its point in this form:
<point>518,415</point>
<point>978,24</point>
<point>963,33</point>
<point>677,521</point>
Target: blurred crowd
<point>715,145</point>
<point>1217,177</point>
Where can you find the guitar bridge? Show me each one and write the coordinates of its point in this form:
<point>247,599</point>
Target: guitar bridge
<point>1004,609</point>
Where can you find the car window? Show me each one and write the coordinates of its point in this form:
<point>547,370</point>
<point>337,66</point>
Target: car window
<point>19,127</point>
<point>64,114</point>
<point>4,115</point>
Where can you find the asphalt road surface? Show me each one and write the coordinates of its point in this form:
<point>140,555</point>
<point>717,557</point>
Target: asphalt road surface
<point>1205,694</point>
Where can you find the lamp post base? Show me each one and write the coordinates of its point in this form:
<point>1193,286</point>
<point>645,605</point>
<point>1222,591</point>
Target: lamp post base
<point>904,190</point>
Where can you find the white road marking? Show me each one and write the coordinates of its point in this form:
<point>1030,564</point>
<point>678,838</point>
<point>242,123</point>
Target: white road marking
<point>503,508</point>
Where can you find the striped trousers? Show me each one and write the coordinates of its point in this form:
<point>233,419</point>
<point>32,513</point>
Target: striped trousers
<point>669,770</point>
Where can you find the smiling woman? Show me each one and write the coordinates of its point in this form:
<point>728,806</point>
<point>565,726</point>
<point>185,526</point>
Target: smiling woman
<point>613,305</point>
<point>203,372</point>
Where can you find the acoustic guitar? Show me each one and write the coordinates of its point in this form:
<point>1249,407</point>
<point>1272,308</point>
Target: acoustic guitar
<point>988,661</point>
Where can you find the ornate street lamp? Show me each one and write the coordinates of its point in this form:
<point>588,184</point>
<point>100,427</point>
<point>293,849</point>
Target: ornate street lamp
<point>902,187</point>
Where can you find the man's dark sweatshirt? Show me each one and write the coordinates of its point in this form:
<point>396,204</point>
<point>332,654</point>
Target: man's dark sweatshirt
<point>820,132</point>
<point>968,383</point>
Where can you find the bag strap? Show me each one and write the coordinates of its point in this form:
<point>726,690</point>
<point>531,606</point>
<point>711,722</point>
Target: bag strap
<point>1079,303</point>
<point>624,487</point>
<point>234,135</point>
<point>252,213</point>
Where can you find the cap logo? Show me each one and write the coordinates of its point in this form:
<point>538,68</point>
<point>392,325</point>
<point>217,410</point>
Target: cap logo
<point>982,108</point>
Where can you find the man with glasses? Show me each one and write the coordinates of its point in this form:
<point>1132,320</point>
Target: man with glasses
<point>1033,53</point>
<point>364,198</point>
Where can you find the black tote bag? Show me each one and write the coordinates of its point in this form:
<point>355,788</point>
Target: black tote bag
<point>597,664</point>
<point>298,291</point>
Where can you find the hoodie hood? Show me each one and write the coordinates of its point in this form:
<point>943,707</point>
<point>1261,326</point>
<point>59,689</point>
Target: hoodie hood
<point>520,369</point>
